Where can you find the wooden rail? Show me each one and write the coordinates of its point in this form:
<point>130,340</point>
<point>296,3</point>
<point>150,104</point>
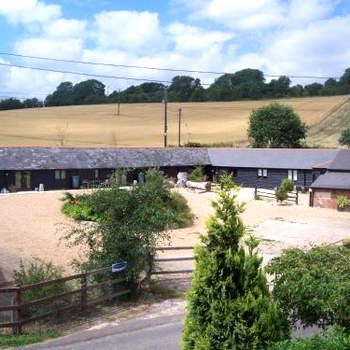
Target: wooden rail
<point>166,272</point>
<point>266,193</point>
<point>81,304</point>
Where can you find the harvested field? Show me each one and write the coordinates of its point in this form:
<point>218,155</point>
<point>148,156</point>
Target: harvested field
<point>142,124</point>
<point>30,226</point>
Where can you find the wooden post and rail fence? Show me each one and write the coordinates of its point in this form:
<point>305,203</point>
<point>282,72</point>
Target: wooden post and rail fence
<point>82,301</point>
<point>267,193</point>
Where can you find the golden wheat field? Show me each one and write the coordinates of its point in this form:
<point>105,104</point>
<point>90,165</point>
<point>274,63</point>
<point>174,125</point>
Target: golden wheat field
<point>142,124</point>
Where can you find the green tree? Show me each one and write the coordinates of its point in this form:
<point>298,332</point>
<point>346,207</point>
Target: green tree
<point>312,89</point>
<point>275,125</point>
<point>88,92</point>
<point>229,304</point>
<point>62,96</point>
<point>344,138</point>
<point>10,103</point>
<point>183,87</point>
<point>312,287</point>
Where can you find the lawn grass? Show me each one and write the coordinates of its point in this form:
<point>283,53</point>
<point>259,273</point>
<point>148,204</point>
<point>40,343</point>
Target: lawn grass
<point>26,339</point>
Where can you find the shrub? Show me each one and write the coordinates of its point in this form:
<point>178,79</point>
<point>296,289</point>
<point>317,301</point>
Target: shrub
<point>313,286</point>
<point>281,194</point>
<point>287,185</point>
<point>229,304</point>
<point>338,340</point>
<point>342,202</point>
<point>35,271</point>
<point>131,224</point>
<point>197,174</point>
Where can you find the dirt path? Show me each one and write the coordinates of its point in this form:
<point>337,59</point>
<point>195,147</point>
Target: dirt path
<point>30,226</point>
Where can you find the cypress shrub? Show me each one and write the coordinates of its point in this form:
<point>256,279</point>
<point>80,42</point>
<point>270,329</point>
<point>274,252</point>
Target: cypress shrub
<point>229,305</point>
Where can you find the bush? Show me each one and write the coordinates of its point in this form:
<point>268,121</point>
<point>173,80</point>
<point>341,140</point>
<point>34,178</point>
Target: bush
<point>281,194</point>
<point>197,174</point>
<point>36,271</point>
<point>229,304</point>
<point>131,223</point>
<point>287,185</point>
<point>338,340</point>
<point>342,202</point>
<point>313,286</point>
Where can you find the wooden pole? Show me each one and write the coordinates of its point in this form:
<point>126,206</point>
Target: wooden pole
<point>119,102</point>
<point>17,329</point>
<point>165,118</point>
<point>83,297</point>
<point>179,136</point>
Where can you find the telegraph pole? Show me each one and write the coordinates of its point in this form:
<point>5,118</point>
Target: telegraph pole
<point>179,114</point>
<point>165,101</point>
<point>119,102</point>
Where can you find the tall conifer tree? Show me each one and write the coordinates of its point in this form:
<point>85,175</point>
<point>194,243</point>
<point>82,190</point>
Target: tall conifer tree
<point>229,304</point>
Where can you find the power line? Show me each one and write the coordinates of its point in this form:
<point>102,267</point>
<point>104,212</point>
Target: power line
<point>87,74</point>
<point>293,76</point>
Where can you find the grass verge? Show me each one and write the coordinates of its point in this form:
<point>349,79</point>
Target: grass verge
<point>26,339</point>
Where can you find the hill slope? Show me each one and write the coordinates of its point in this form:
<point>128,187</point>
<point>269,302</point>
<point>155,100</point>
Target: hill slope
<point>327,132</point>
<point>142,124</point>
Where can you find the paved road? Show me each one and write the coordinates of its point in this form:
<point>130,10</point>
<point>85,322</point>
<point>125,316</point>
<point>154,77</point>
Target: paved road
<point>160,333</point>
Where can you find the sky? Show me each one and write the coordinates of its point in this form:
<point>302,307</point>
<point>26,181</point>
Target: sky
<point>286,37</point>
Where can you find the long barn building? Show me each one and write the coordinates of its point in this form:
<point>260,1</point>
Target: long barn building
<point>26,168</point>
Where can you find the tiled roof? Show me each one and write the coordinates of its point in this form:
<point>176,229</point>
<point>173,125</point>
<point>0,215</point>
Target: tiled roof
<point>280,158</point>
<point>20,158</point>
<point>333,180</point>
<point>341,161</point>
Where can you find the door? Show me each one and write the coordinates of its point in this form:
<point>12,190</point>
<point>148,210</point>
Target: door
<point>22,180</point>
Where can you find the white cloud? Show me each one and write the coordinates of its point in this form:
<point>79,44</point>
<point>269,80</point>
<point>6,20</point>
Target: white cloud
<point>128,30</point>
<point>66,28</point>
<point>28,11</point>
<point>190,38</point>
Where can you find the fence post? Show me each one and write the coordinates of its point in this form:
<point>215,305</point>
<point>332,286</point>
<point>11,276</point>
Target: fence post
<point>255,192</point>
<point>150,265</point>
<point>83,297</point>
<point>17,329</point>
<point>297,198</point>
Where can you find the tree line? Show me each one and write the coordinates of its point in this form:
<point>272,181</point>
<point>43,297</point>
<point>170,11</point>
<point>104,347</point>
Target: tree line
<point>244,84</point>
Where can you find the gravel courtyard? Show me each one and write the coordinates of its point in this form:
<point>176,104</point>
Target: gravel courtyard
<point>30,225</point>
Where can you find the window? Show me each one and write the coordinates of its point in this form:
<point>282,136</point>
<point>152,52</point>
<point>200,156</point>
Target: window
<point>60,174</point>
<point>293,175</point>
<point>262,172</point>
<point>96,173</point>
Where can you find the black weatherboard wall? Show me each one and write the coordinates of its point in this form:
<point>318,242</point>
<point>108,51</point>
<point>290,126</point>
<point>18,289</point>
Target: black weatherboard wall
<point>42,162</point>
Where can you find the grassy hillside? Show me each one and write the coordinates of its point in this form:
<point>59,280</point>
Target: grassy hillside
<point>328,130</point>
<point>142,124</point>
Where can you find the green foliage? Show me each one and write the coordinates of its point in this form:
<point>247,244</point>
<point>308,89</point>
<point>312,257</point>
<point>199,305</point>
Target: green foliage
<point>36,271</point>
<point>229,304</point>
<point>281,194</point>
<point>208,145</point>
<point>197,174</point>
<point>344,138</point>
<point>131,223</point>
<point>346,242</point>
<point>275,125</point>
<point>342,202</point>
<point>287,185</point>
<point>14,103</point>
<point>26,339</point>
<point>329,340</point>
<point>313,286</point>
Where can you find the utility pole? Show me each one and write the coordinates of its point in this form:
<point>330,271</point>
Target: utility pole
<point>119,102</point>
<point>165,101</point>
<point>179,114</point>
<point>117,105</point>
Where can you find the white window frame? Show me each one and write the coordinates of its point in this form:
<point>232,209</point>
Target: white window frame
<point>264,172</point>
<point>260,172</point>
<point>96,173</point>
<point>60,175</point>
<point>293,174</point>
